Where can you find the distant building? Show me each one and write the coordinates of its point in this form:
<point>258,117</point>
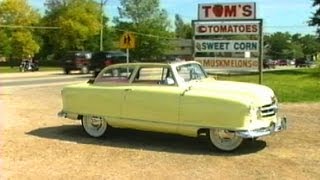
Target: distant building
<point>181,49</point>
<point>2,58</point>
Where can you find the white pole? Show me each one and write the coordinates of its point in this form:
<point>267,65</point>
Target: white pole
<point>127,61</point>
<point>127,55</point>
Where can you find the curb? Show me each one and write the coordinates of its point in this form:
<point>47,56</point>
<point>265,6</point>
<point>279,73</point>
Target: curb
<point>30,74</point>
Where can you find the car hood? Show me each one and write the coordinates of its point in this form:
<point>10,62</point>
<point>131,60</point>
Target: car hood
<point>249,93</point>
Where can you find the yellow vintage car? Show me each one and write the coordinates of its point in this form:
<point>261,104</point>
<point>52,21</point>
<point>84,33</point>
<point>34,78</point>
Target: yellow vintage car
<point>176,97</point>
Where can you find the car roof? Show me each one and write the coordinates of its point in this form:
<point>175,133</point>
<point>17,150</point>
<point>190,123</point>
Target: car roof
<point>174,63</point>
<point>109,52</point>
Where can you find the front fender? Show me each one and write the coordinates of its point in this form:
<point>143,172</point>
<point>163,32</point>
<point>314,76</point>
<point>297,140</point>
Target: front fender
<point>214,111</point>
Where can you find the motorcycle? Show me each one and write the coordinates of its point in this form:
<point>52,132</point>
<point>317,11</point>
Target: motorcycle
<point>28,66</point>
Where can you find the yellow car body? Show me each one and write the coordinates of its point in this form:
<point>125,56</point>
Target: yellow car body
<point>182,100</point>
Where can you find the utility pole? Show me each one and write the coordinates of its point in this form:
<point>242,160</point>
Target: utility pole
<point>102,4</point>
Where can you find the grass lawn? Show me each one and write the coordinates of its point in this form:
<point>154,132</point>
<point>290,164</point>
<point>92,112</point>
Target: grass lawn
<point>6,69</point>
<point>297,85</point>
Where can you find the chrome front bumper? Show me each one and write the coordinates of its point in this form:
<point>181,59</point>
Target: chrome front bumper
<point>279,126</point>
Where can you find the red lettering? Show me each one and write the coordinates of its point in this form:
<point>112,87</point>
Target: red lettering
<point>202,29</point>
<point>230,11</point>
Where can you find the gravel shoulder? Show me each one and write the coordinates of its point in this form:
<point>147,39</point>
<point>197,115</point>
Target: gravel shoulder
<point>36,144</point>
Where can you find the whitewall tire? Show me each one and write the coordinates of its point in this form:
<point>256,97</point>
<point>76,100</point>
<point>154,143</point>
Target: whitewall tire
<point>224,140</point>
<point>94,126</point>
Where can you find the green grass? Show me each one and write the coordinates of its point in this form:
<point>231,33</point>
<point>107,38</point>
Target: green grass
<point>297,85</point>
<point>6,69</point>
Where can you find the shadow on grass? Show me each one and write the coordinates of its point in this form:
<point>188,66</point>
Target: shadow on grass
<point>132,139</point>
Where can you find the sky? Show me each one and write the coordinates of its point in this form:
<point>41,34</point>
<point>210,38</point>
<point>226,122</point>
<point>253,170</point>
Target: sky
<point>278,15</point>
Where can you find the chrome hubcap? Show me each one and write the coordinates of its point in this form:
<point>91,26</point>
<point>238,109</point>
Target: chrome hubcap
<point>94,126</point>
<point>96,122</point>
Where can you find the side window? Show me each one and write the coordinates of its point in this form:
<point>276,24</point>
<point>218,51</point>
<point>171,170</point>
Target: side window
<point>116,75</point>
<point>154,75</point>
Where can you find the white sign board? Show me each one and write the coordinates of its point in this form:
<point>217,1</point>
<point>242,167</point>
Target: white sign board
<point>217,11</point>
<point>226,45</point>
<point>223,28</point>
<point>228,63</point>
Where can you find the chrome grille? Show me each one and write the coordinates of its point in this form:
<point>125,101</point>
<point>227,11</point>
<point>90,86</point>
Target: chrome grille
<point>269,110</point>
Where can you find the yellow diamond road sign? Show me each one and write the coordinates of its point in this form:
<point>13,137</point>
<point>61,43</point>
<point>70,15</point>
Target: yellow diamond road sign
<point>127,41</point>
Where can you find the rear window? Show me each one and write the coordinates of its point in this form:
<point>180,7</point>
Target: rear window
<point>117,75</point>
<point>155,76</point>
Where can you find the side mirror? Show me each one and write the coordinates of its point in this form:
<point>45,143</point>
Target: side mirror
<point>169,81</point>
<point>91,81</point>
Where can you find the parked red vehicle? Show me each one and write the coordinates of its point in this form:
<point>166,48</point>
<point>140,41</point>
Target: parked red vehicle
<point>282,62</point>
<point>269,64</point>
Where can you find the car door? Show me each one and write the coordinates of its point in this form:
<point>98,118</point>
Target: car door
<point>151,103</point>
<point>109,89</point>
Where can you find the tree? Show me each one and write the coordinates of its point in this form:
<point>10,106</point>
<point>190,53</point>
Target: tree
<point>5,45</point>
<point>78,20</point>
<point>22,42</point>
<point>315,19</point>
<point>310,44</point>
<point>279,45</point>
<point>150,24</point>
<point>183,30</point>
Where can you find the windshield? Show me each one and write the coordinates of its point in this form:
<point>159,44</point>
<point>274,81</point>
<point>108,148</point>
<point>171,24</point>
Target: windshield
<point>189,72</point>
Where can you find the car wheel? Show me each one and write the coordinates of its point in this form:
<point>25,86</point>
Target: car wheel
<point>94,126</point>
<point>84,70</point>
<point>224,140</point>
<point>66,71</point>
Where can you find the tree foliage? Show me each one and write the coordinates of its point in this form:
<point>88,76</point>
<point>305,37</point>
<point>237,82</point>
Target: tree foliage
<point>150,22</point>
<point>183,30</point>
<point>315,19</point>
<point>5,45</point>
<point>279,45</point>
<point>78,20</point>
<point>20,43</point>
<point>286,46</point>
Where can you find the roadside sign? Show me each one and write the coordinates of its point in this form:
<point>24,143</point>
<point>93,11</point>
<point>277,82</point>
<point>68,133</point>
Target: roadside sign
<point>228,63</point>
<point>225,11</point>
<point>127,41</point>
<point>226,28</point>
<point>226,45</point>
<point>218,20</point>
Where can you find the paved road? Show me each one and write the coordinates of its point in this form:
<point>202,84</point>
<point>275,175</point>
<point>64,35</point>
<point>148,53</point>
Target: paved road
<point>34,79</point>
